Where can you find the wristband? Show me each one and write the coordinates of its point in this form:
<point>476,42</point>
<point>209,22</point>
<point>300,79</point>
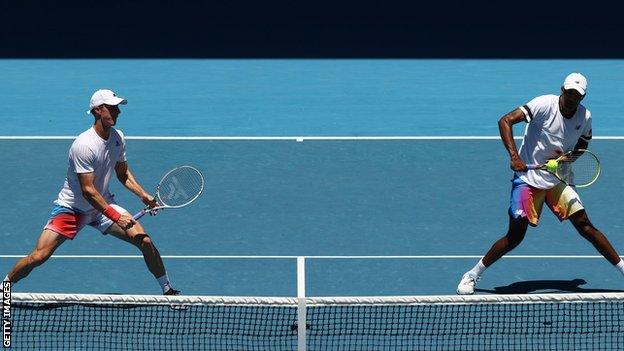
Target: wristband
<point>111,213</point>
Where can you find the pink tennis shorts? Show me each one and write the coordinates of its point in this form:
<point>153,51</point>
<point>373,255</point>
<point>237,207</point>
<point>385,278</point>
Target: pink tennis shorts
<point>68,221</point>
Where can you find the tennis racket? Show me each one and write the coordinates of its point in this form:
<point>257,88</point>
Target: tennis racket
<point>178,188</point>
<point>578,168</point>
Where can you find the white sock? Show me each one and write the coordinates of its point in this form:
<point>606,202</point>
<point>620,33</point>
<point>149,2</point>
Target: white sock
<point>620,266</point>
<point>479,268</point>
<point>164,283</point>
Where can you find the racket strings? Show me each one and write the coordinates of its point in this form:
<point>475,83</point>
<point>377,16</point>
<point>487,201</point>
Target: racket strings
<point>180,187</point>
<point>578,169</point>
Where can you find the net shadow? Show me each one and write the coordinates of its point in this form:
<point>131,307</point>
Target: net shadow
<point>545,286</point>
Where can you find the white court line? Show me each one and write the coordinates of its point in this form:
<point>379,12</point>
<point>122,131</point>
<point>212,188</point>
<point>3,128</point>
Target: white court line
<point>425,257</point>
<point>286,138</point>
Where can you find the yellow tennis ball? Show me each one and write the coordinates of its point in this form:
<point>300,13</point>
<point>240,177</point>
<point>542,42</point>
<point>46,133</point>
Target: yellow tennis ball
<point>551,165</point>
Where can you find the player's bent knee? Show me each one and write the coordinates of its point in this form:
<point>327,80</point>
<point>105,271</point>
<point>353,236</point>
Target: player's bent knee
<point>143,241</point>
<point>38,257</point>
<point>585,227</point>
<point>512,244</point>
<point>590,233</point>
<point>146,241</point>
<point>513,241</point>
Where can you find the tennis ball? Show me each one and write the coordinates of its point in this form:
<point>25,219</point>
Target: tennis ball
<point>551,165</point>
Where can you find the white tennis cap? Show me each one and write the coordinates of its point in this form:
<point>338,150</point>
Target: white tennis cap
<point>577,82</point>
<point>105,96</point>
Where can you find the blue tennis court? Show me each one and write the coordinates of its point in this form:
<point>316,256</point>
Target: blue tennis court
<point>375,216</point>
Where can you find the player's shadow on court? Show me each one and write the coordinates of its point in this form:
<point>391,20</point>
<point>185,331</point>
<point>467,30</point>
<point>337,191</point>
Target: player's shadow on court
<point>545,286</point>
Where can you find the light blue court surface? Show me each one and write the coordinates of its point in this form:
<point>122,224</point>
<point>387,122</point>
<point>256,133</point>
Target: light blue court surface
<point>440,202</point>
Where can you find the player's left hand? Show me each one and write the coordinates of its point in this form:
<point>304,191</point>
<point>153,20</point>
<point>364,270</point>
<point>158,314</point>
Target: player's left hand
<point>151,202</point>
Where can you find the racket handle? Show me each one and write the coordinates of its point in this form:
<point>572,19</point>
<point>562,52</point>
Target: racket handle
<point>534,166</point>
<point>139,214</point>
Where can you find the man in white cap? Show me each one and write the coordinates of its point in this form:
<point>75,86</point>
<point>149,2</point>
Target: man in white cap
<point>86,200</point>
<point>556,125</point>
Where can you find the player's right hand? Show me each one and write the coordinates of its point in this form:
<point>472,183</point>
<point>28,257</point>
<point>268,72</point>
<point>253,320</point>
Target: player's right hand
<point>126,221</point>
<point>517,164</point>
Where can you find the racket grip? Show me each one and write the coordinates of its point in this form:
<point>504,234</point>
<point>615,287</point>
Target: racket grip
<point>534,166</point>
<point>139,214</point>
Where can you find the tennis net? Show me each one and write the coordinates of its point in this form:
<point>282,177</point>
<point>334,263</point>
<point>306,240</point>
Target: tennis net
<point>593,321</point>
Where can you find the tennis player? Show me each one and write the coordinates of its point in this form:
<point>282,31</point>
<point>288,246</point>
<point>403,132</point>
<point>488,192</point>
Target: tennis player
<point>86,200</point>
<point>556,125</point>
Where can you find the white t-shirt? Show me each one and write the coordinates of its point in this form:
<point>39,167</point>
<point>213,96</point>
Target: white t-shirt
<point>548,135</point>
<point>90,153</point>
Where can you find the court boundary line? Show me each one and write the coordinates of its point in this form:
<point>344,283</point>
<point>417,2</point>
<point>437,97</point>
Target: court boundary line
<point>285,138</point>
<point>245,257</point>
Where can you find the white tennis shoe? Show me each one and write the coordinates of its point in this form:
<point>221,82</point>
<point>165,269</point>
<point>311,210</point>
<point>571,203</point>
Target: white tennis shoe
<point>467,284</point>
